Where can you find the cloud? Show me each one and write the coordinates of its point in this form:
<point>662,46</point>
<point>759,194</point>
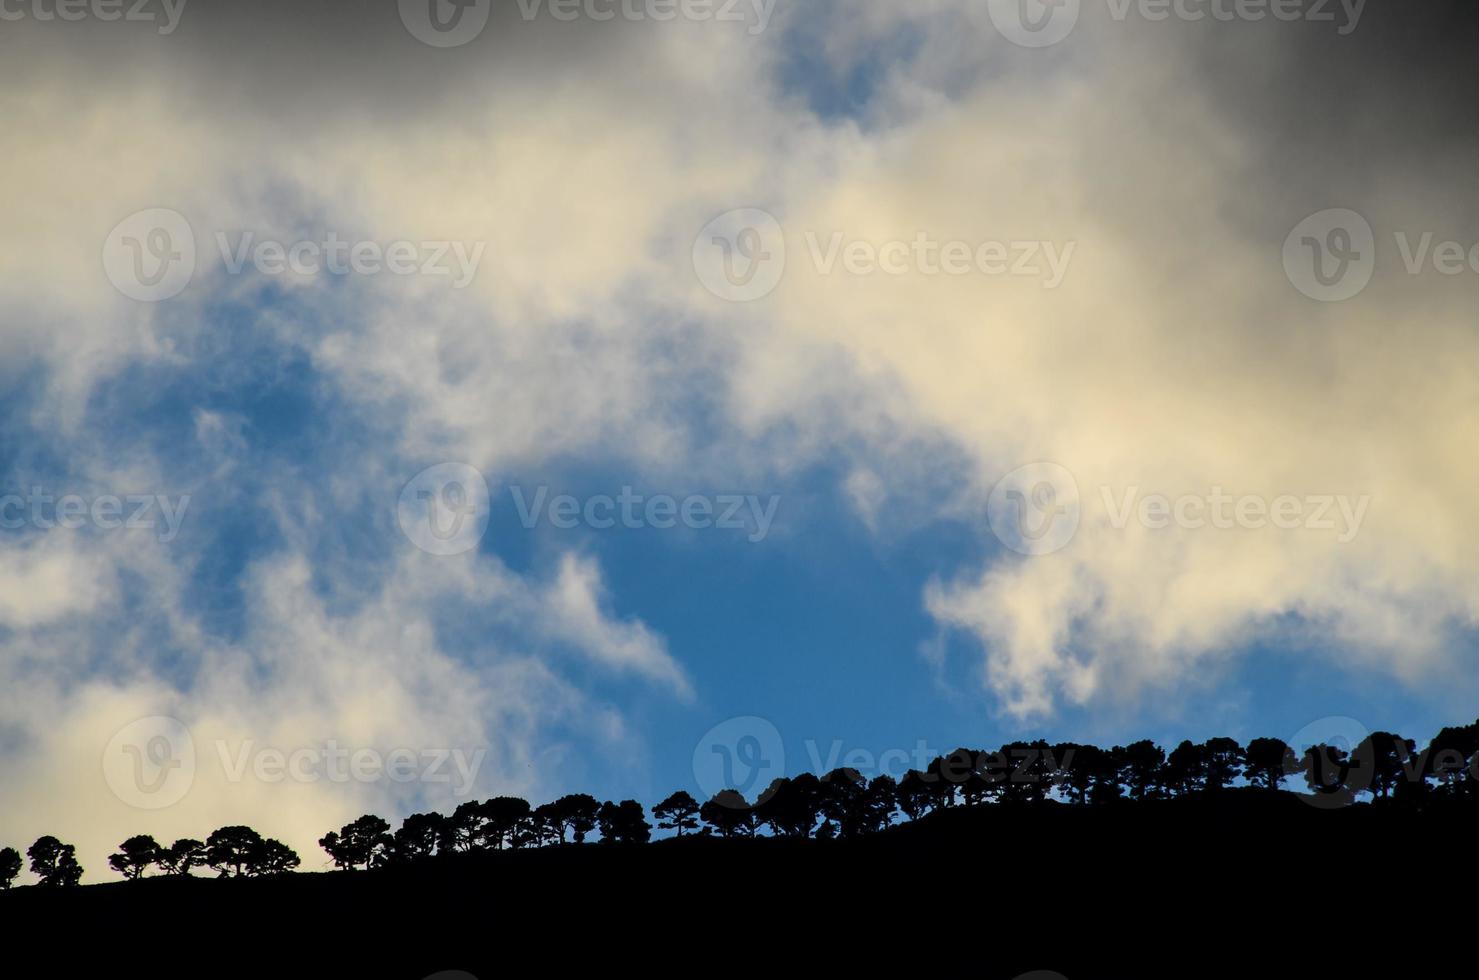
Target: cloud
<point>574,602</point>
<point>1173,357</point>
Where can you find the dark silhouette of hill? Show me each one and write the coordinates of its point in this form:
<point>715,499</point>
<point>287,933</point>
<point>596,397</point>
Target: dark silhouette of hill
<point>1190,887</point>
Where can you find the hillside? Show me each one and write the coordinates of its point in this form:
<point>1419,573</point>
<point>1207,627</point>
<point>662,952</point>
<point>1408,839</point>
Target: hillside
<point>1133,890</point>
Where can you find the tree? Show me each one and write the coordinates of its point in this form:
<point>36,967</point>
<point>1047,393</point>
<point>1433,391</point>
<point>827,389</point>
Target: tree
<point>1186,768</point>
<point>1327,771</point>
<point>729,813</point>
<point>791,806</point>
<point>364,842</point>
<point>416,839</point>
<point>1448,758</point>
<point>623,823</point>
<point>579,811</point>
<point>914,794</point>
<point>678,812</point>
<point>272,857</point>
<point>547,825</point>
<point>230,850</point>
<point>1268,761</point>
<point>10,866</point>
<point>181,856</point>
<point>880,803</point>
<point>54,863</point>
<point>1076,767</point>
<point>1108,768</point>
<point>841,799</point>
<point>504,816</point>
<point>1384,759</point>
<point>1142,767</point>
<point>466,829</point>
<point>1222,761</point>
<point>134,856</point>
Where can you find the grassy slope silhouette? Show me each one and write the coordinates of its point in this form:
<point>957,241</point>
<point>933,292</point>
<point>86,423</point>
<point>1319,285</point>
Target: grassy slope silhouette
<point>1169,887</point>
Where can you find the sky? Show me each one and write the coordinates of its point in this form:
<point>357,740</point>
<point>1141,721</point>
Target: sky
<point>516,399</point>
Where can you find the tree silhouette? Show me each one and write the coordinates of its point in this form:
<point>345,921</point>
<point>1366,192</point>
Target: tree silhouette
<point>1222,762</point>
<point>1186,768</point>
<point>181,856</point>
<point>504,816</point>
<point>1268,762</point>
<point>134,856</point>
<point>364,842</point>
<point>1449,756</point>
<point>230,850</point>
<point>416,838</point>
<point>546,825</point>
<point>464,829</point>
<point>1327,771</point>
<point>914,795</point>
<point>623,823</point>
<point>54,863</point>
<point>10,866</point>
<point>1385,759</point>
<point>1142,763</point>
<point>729,813</point>
<point>579,812</point>
<point>791,806</point>
<point>272,857</point>
<point>678,812</point>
